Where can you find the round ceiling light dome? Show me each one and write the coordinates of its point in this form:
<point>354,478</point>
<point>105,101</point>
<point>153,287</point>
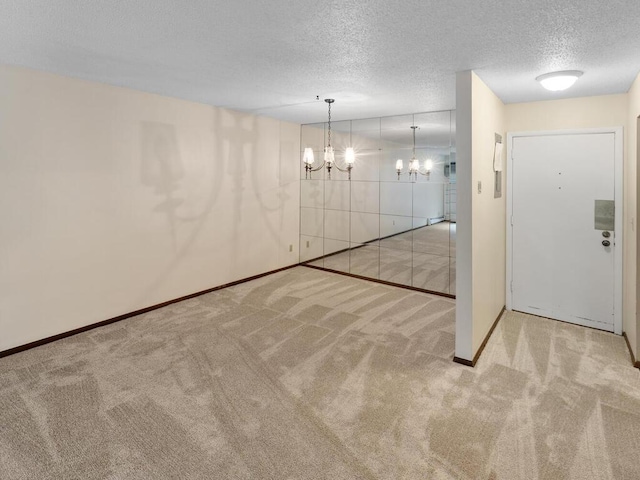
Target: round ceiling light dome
<point>557,81</point>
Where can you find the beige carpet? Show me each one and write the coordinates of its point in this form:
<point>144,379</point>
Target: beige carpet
<point>311,375</point>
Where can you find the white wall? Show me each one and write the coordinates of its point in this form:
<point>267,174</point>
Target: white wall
<point>464,226</point>
<point>481,230</point>
<point>593,112</point>
<point>632,287</point>
<point>113,200</point>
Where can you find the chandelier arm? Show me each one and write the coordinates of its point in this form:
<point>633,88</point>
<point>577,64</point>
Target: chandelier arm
<point>335,164</point>
<point>317,168</point>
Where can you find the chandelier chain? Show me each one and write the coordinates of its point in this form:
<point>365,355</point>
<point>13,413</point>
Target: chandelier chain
<point>414,141</point>
<point>329,136</point>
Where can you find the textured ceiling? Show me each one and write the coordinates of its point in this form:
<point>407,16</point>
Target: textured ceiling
<point>375,57</point>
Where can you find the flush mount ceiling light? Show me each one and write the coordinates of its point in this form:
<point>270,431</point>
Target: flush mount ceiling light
<point>329,154</point>
<point>414,164</point>
<point>557,81</point>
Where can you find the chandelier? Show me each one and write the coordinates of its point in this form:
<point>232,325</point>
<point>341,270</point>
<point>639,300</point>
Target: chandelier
<point>329,154</point>
<point>414,164</point>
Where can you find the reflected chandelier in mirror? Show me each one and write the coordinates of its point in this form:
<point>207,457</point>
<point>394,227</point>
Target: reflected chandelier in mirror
<point>414,163</point>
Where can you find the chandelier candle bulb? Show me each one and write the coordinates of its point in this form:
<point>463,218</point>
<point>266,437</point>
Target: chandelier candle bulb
<point>399,167</point>
<point>329,155</point>
<point>428,165</point>
<point>308,156</point>
<point>350,156</point>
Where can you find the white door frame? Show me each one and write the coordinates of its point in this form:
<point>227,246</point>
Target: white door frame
<point>618,197</point>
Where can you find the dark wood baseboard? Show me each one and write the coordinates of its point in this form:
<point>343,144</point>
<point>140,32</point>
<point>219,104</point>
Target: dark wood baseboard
<point>634,362</point>
<point>44,341</point>
<point>463,361</point>
<point>488,336</point>
<point>383,282</point>
<point>472,363</point>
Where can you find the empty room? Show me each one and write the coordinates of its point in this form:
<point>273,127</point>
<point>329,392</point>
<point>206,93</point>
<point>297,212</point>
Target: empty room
<point>319,240</point>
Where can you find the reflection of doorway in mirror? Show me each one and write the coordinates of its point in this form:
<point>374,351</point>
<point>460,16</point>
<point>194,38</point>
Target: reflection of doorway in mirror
<point>450,190</point>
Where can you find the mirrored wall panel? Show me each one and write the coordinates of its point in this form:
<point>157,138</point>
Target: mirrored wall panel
<point>392,216</point>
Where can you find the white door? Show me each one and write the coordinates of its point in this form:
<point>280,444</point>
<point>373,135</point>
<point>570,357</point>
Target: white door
<point>563,258</point>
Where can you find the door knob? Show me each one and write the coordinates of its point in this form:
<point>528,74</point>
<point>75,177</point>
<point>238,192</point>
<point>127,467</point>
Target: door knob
<point>606,243</point>
<point>606,234</point>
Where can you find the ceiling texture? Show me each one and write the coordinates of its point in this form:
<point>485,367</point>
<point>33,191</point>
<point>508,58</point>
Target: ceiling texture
<point>375,57</point>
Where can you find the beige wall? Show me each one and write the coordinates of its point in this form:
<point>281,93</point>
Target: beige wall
<point>113,200</point>
<point>489,213</point>
<point>586,112</point>
<point>632,324</point>
<point>481,235</point>
<point>593,112</point>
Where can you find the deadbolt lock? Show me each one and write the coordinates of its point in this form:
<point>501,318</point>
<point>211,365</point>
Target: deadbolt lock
<point>606,243</point>
<point>606,234</point>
